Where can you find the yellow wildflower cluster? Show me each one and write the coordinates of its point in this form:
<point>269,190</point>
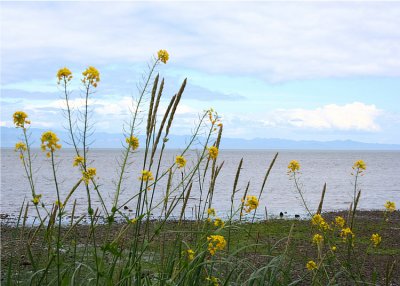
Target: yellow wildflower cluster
<point>311,265</point>
<point>49,142</point>
<point>213,152</point>
<point>250,204</point>
<point>317,239</point>
<point>340,221</point>
<point>88,175</point>
<point>20,146</point>
<point>78,160</point>
<point>293,166</point>
<point>134,220</point>
<point>36,199</point>
<point>163,56</point>
<point>346,232</point>
<point>219,222</point>
<point>146,176</point>
<point>390,206</point>
<point>359,165</point>
<point>64,74</point>
<point>59,204</point>
<point>215,242</point>
<point>211,212</point>
<point>376,239</point>
<point>190,254</point>
<point>180,161</point>
<point>133,142</point>
<point>20,119</point>
<point>213,280</point>
<point>213,116</point>
<point>319,221</point>
<point>91,76</point>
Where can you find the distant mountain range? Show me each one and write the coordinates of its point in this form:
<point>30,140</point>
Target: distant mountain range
<point>9,136</point>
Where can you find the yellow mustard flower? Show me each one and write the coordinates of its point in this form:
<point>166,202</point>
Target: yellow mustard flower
<point>180,161</point>
<point>88,175</point>
<point>59,204</point>
<point>319,221</point>
<point>250,204</point>
<point>376,239</point>
<point>334,248</point>
<point>78,160</point>
<point>20,146</point>
<point>294,166</point>
<point>190,254</point>
<point>133,141</point>
<point>215,242</point>
<point>311,265</point>
<point>213,280</point>
<point>50,142</point>
<point>91,76</point>
<point>390,206</point>
<point>346,232</point>
<point>146,176</point>
<point>64,74</point>
<point>360,165</point>
<point>213,152</point>
<point>134,220</point>
<point>36,199</point>
<point>163,56</point>
<point>20,119</point>
<point>340,221</point>
<point>211,211</point>
<point>219,222</point>
<point>317,239</point>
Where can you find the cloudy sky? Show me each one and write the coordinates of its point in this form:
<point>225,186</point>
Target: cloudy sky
<point>294,70</point>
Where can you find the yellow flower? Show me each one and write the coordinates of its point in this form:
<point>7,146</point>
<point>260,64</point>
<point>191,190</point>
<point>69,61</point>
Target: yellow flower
<point>134,220</point>
<point>346,232</point>
<point>339,221</point>
<point>91,76</point>
<point>20,119</point>
<point>36,199</point>
<point>219,222</point>
<point>163,56</point>
<point>360,165</point>
<point>64,74</point>
<point>333,248</point>
<point>317,239</point>
<point>88,175</point>
<point>78,160</point>
<point>250,204</point>
<point>20,146</point>
<point>211,212</point>
<point>215,242</point>
<point>180,161</point>
<point>146,176</point>
<point>133,142</point>
<point>319,221</point>
<point>294,166</point>
<point>49,142</point>
<point>190,254</point>
<point>311,265</point>
<point>390,206</point>
<point>213,152</point>
<point>213,280</point>
<point>59,204</point>
<point>376,239</point>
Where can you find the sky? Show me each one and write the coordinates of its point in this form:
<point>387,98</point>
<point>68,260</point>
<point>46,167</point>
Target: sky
<point>293,70</point>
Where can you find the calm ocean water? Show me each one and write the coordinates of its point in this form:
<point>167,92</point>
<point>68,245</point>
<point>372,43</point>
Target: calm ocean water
<point>381,181</point>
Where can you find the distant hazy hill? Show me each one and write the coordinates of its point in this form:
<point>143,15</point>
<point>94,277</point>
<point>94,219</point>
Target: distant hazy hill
<point>108,140</point>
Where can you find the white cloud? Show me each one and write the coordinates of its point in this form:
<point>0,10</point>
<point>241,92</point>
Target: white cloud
<point>277,41</point>
<point>352,116</point>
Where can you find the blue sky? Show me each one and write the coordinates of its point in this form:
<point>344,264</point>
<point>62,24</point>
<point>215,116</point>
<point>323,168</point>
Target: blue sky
<point>294,70</point>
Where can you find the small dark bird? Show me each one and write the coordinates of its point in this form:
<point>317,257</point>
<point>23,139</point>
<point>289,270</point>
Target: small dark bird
<point>281,214</point>
<point>125,207</point>
<point>297,216</point>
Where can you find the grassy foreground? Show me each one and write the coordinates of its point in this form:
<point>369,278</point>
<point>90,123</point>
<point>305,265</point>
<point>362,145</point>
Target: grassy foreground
<point>252,247</point>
